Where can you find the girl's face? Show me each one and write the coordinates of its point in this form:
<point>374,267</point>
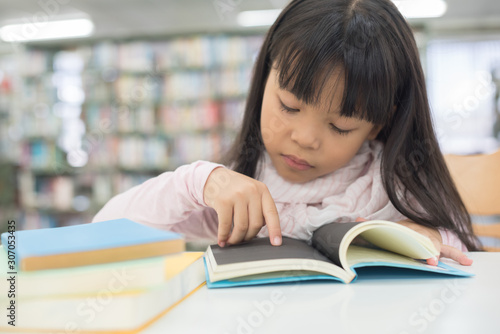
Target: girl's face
<point>305,141</point>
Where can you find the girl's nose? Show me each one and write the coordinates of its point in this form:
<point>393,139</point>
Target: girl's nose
<point>306,136</point>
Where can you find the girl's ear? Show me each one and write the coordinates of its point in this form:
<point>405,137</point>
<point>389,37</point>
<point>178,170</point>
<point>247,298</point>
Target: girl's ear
<point>374,132</point>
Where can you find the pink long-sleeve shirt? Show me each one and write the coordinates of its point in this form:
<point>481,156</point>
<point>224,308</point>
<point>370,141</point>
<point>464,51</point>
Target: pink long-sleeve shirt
<point>174,200</point>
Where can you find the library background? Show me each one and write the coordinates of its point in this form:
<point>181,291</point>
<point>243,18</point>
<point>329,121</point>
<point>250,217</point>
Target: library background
<point>153,85</point>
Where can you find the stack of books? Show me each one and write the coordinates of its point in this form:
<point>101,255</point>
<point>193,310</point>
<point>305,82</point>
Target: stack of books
<point>108,276</point>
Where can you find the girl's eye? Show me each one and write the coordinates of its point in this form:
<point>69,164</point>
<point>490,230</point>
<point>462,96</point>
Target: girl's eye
<point>339,131</point>
<point>287,109</point>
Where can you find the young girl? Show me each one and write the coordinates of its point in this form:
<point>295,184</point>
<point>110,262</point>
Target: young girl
<point>337,127</point>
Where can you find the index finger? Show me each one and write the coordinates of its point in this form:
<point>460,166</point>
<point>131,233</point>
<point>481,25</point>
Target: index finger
<point>225,217</point>
<point>272,219</point>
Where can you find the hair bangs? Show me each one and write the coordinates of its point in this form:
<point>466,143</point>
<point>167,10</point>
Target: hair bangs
<point>306,58</point>
<point>302,77</point>
<point>364,94</point>
<point>371,81</point>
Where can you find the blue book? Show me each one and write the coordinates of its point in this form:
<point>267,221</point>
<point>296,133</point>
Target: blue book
<point>338,252</point>
<point>87,244</point>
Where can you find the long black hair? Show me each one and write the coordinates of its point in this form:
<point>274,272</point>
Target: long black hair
<point>373,45</point>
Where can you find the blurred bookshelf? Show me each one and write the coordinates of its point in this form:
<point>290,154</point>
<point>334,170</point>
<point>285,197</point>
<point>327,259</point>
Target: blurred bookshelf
<point>80,124</point>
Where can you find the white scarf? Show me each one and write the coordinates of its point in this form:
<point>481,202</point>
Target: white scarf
<point>353,191</point>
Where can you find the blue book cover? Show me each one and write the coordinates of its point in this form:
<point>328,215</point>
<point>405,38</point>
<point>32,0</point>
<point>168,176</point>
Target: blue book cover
<point>100,242</point>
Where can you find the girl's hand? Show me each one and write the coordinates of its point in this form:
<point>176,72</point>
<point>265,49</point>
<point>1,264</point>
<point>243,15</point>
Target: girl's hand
<point>435,236</point>
<point>243,204</point>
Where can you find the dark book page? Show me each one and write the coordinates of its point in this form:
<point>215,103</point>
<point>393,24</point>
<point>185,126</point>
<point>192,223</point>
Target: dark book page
<point>260,249</point>
<point>328,237</point>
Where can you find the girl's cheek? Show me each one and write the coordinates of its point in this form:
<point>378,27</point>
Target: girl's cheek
<point>275,122</point>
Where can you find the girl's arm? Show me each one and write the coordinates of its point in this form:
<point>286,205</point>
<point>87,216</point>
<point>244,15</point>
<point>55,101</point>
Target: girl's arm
<point>167,200</point>
<point>449,238</point>
<point>202,201</point>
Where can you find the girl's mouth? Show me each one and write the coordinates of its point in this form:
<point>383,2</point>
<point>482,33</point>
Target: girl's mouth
<point>296,163</point>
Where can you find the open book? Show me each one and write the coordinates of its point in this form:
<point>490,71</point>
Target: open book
<point>336,251</point>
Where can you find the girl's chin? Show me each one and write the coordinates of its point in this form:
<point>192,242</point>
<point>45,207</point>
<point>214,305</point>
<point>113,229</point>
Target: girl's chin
<point>294,177</point>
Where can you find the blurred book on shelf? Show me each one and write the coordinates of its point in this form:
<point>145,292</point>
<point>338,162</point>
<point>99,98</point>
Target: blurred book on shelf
<point>147,106</point>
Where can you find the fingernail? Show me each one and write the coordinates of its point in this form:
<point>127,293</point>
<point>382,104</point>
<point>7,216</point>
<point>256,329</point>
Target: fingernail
<point>464,260</point>
<point>277,241</point>
<point>222,243</point>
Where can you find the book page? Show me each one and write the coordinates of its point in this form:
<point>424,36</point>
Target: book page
<point>401,241</point>
<point>361,257</point>
<point>278,274</point>
<point>258,256</point>
<point>327,239</point>
<point>357,255</point>
<point>260,249</point>
<point>333,240</point>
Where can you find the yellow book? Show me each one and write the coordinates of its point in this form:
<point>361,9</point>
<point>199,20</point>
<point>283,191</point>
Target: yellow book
<point>141,273</point>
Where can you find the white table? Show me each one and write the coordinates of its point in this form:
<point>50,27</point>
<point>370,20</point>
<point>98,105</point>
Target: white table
<point>400,306</point>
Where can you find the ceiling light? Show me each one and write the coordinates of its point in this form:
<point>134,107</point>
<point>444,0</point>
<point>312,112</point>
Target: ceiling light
<point>409,9</point>
<point>421,8</point>
<point>255,18</point>
<point>47,30</point>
